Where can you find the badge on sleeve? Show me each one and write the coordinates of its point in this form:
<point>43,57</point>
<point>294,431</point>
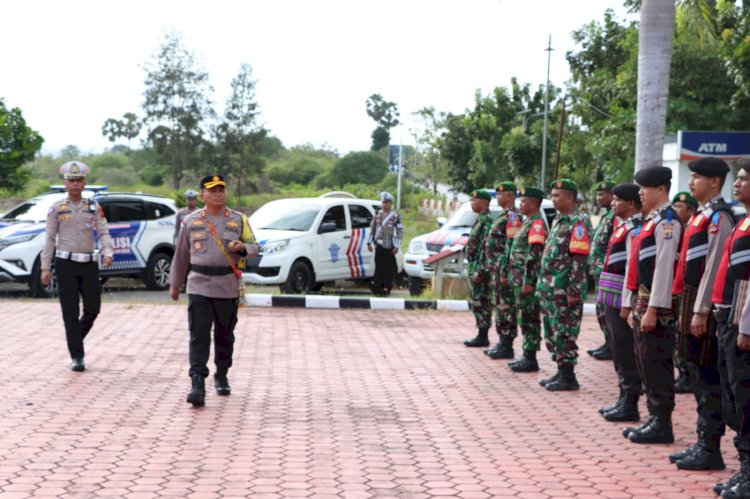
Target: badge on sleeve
<point>537,233</point>
<point>745,224</point>
<point>579,240</point>
<point>668,230</point>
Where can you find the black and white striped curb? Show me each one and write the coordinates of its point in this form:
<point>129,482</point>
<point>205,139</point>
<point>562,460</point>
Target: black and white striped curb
<point>364,303</point>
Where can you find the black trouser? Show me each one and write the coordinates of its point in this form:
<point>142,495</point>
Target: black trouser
<point>706,383</point>
<point>623,352</point>
<point>385,270</point>
<point>204,312</point>
<point>730,371</point>
<point>75,281</point>
<point>738,366</point>
<point>654,351</point>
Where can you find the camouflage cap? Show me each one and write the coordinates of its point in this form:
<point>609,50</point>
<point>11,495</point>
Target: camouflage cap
<point>565,183</point>
<point>481,194</point>
<point>531,192</point>
<point>505,187</point>
<point>685,197</point>
<point>604,185</point>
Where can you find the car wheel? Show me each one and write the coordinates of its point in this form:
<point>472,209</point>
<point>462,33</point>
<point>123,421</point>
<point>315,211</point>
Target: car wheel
<point>416,286</point>
<point>300,279</point>
<point>157,271</point>
<point>39,290</point>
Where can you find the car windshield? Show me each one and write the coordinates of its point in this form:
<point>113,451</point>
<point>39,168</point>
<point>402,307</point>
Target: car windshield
<point>278,215</point>
<point>34,210</point>
<point>463,217</point>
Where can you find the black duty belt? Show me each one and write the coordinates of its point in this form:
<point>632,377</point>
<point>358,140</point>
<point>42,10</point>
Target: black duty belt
<point>209,270</point>
<point>721,314</point>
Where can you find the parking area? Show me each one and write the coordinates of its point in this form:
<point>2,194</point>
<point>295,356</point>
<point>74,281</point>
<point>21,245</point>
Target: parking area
<point>342,403</point>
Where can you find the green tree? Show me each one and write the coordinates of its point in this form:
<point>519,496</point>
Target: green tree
<point>177,106</point>
<point>360,167</point>
<point>429,168</point>
<point>301,164</point>
<point>386,116</point>
<point>129,127</point>
<point>18,144</point>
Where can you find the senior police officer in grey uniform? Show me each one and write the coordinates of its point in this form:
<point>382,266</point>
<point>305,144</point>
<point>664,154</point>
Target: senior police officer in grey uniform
<point>70,225</point>
<point>210,251</point>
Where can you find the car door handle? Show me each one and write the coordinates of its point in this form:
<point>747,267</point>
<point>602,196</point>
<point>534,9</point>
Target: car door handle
<point>347,237</point>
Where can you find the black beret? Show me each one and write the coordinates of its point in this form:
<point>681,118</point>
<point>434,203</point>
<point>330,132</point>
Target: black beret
<point>709,167</point>
<point>653,176</point>
<point>743,164</point>
<point>627,192</point>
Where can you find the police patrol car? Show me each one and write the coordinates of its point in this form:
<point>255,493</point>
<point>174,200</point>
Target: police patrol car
<point>141,226</point>
<point>305,242</point>
<point>453,232</point>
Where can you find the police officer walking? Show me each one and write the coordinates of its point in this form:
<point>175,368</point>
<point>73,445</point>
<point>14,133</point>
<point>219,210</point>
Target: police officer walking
<point>524,261</point>
<point>650,274</point>
<point>479,272</point>
<point>386,232</point>
<point>210,252</point>
<point>700,255</point>
<point>500,238</point>
<point>71,223</point>
<point>191,201</point>
<point>562,284</point>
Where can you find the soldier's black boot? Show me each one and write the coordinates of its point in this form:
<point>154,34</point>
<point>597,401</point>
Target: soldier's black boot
<point>567,380</point>
<point>604,353</point>
<point>592,351</point>
<point>630,429</point>
<point>741,488</point>
<point>221,383</point>
<point>490,348</point>
<point>707,457</point>
<point>480,340</point>
<point>658,432</point>
<point>741,475</point>
<point>628,411</point>
<point>78,365</point>
<point>527,364</point>
<point>551,379</point>
<point>612,407</point>
<point>197,395</point>
<point>683,384</point>
<point>505,350</point>
<point>677,456</point>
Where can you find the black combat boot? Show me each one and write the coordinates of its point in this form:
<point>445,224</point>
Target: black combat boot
<point>592,351</point>
<point>78,365</point>
<point>738,477</point>
<point>551,379</point>
<point>197,395</point>
<point>567,380</point>
<point>741,487</point>
<point>628,411</point>
<point>222,383</point>
<point>603,353</point>
<point>490,348</point>
<point>480,340</point>
<point>677,456</point>
<point>612,407</point>
<point>630,429</point>
<point>505,351</point>
<point>658,432</point>
<point>683,384</point>
<point>707,457</point>
<point>527,364</point>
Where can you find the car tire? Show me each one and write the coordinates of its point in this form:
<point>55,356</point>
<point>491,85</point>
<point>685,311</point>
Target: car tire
<point>300,279</point>
<point>416,286</point>
<point>37,289</point>
<point>156,276</point>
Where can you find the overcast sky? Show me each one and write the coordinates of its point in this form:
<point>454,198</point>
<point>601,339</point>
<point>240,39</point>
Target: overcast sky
<point>70,65</point>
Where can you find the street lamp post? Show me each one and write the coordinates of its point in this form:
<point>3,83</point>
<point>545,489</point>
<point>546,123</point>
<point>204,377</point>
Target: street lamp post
<point>546,111</point>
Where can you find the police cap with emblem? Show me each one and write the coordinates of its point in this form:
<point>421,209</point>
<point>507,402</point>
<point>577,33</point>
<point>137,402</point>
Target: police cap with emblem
<point>653,176</point>
<point>709,167</point>
<point>531,192</point>
<point>212,181</point>
<point>190,194</point>
<point>627,192</point>
<point>74,170</point>
<point>481,194</point>
<point>505,187</point>
<point>685,197</point>
<point>605,185</point>
<point>565,183</point>
<point>385,196</point>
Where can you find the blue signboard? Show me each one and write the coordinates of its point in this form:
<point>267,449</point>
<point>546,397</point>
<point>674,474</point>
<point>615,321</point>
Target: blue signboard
<point>724,145</point>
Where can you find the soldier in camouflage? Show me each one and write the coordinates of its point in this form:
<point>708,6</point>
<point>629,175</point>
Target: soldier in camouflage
<point>524,260</point>
<point>479,273</point>
<point>599,244</point>
<point>562,284</point>
<point>499,239</point>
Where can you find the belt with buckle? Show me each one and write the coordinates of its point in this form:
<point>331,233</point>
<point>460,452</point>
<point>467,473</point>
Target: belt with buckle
<point>75,257</point>
<point>721,314</point>
<point>210,270</point>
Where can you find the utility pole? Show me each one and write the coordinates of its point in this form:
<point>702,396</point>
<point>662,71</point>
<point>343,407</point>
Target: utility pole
<point>546,111</point>
<point>400,168</point>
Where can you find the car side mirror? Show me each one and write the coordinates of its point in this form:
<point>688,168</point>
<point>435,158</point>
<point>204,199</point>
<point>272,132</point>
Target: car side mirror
<point>441,221</point>
<point>327,227</point>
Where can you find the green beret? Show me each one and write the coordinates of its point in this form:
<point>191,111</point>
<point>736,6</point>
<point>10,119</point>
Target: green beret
<point>565,183</point>
<point>531,192</point>
<point>481,194</point>
<point>604,185</point>
<point>505,187</point>
<point>685,197</point>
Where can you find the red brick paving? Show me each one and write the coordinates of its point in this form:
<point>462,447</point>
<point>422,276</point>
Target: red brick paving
<point>325,404</point>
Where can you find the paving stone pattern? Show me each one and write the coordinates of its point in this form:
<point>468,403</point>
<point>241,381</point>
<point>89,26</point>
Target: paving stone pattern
<point>325,404</point>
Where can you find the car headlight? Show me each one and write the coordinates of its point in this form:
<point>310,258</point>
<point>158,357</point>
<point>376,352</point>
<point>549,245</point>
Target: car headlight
<point>417,248</point>
<point>8,241</point>
<point>274,247</point>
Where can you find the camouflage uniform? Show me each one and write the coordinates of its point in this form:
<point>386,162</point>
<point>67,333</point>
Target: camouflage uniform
<point>599,243</point>
<point>524,262</point>
<point>563,275</point>
<point>479,272</point>
<point>499,241</point>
